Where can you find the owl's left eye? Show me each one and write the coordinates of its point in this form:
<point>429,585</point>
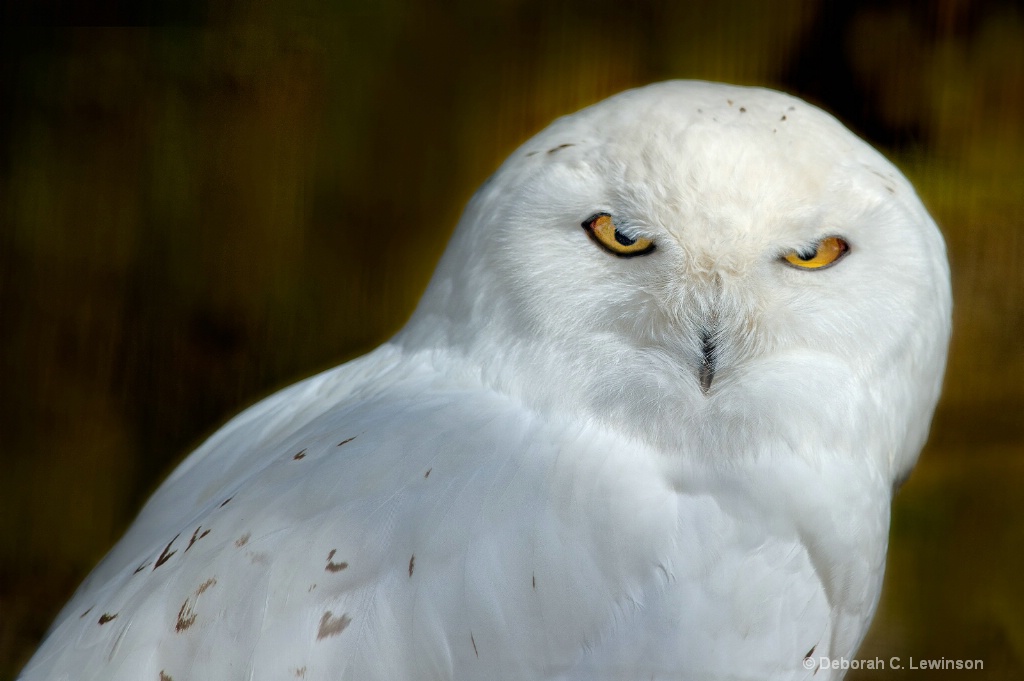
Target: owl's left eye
<point>601,228</point>
<point>824,253</point>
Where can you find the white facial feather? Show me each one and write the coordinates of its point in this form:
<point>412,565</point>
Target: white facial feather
<point>725,180</point>
<point>569,464</point>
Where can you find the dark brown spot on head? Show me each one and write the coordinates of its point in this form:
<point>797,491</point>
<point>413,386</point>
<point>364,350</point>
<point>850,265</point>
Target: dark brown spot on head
<point>412,563</point>
<point>164,676</point>
<point>86,612</point>
<point>141,567</point>
<point>206,585</point>
<point>783,117</point>
<point>559,148</point>
<point>166,554</point>
<point>225,502</point>
<point>427,474</point>
<point>300,455</point>
<point>730,102</point>
<point>332,626</point>
<point>106,617</point>
<point>243,540</point>
<point>345,442</point>
<point>743,109</point>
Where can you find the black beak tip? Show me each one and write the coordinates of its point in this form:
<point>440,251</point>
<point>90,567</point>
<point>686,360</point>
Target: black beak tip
<point>707,374</point>
<point>707,362</point>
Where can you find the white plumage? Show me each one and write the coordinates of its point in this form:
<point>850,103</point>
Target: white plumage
<point>572,465</point>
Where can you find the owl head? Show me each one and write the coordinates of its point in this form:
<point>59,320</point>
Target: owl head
<point>705,269</point>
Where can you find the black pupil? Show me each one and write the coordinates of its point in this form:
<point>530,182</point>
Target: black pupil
<point>625,240</point>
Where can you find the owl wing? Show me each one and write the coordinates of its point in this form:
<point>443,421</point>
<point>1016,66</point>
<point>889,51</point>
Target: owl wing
<point>436,531</point>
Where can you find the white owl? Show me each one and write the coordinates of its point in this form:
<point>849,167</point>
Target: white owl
<point>645,424</point>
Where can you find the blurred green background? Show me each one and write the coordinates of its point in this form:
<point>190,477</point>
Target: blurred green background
<point>214,200</point>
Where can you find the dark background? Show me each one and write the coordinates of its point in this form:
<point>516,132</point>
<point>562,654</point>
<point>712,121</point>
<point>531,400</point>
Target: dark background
<point>211,201</point>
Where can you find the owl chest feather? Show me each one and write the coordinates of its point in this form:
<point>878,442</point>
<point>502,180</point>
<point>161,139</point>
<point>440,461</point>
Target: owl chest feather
<point>539,549</point>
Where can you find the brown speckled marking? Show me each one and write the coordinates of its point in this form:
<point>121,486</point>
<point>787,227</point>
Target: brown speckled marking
<point>808,657</point>
<point>427,474</point>
<point>730,102</point>
<point>311,587</point>
<point>332,566</point>
<point>186,617</point>
<point>300,455</point>
<point>106,617</point>
<point>86,612</point>
<point>164,676</point>
<point>300,672</point>
<point>332,626</point>
<point>473,641</point>
<point>258,557</point>
<point>243,540</point>
<point>412,563</point>
<point>885,181</point>
<point>225,502</point>
<point>141,568</point>
<point>534,581</point>
<point>560,147</point>
<point>196,537</point>
<point>345,442</point>
<point>165,556</point>
<point>783,117</point>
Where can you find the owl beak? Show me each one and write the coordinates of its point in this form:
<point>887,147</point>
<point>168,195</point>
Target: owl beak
<point>707,362</point>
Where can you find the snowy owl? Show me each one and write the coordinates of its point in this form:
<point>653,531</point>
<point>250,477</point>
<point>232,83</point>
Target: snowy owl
<point>645,423</point>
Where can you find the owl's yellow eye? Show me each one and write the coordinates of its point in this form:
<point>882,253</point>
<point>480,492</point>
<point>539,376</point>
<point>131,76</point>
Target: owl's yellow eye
<point>826,252</point>
<point>602,230</point>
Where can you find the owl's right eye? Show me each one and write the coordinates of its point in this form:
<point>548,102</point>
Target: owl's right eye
<point>601,228</point>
